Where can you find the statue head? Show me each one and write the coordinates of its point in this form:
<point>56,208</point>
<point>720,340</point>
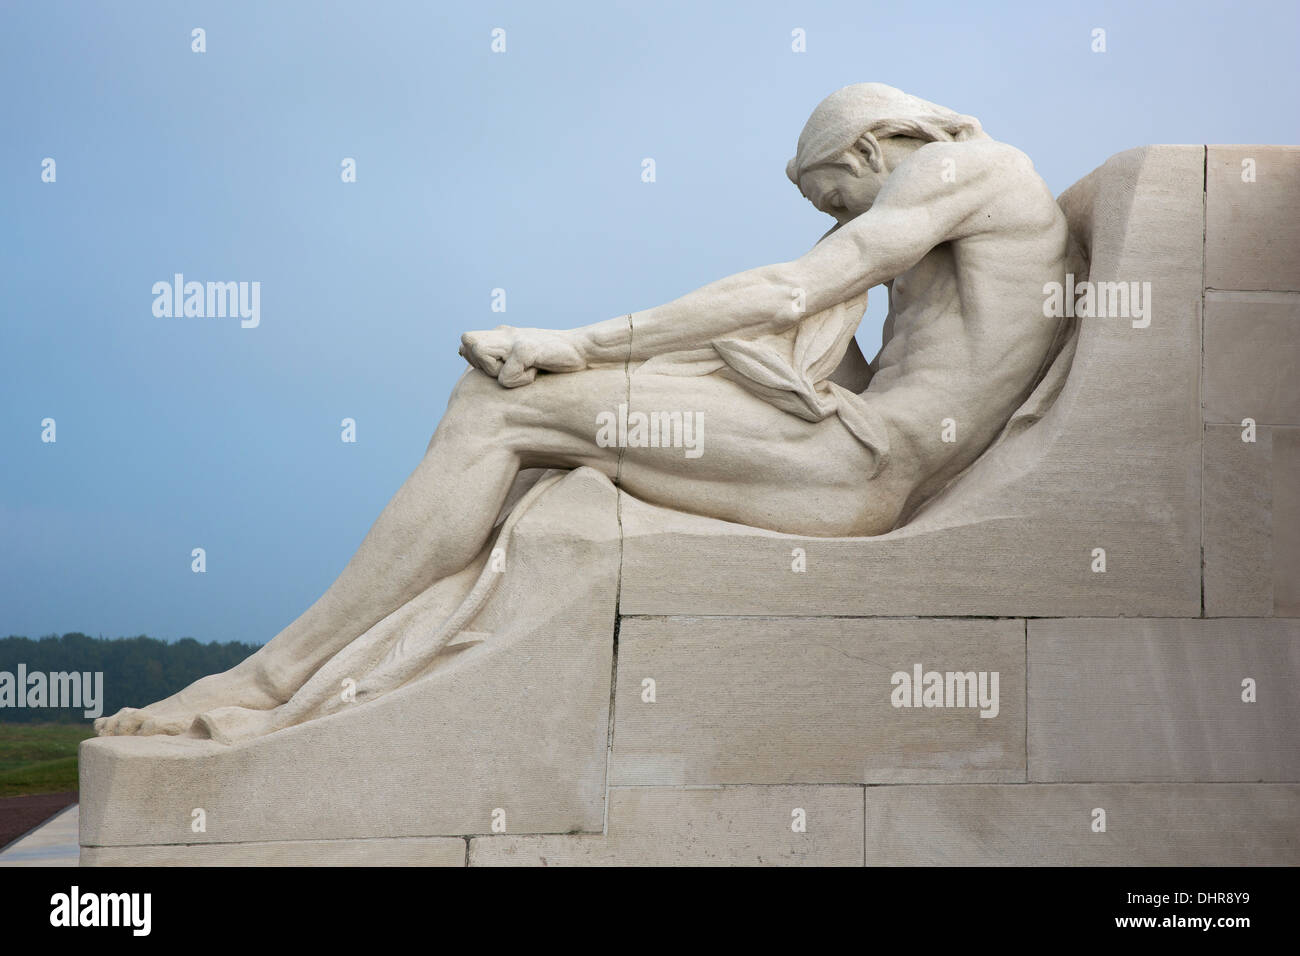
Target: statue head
<point>858,135</point>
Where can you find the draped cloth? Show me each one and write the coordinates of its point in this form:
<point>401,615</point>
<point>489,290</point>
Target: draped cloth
<point>791,370</point>
<point>407,644</point>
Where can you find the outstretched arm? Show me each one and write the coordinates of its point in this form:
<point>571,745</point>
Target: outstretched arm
<point>919,207</point>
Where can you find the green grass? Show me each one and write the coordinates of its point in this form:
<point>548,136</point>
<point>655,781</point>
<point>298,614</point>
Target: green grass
<point>39,758</point>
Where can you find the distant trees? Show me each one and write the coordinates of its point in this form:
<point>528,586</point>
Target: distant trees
<point>137,670</point>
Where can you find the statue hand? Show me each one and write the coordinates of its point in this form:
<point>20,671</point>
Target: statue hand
<point>514,356</point>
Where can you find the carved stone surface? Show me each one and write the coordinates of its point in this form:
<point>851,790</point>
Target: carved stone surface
<point>1252,225</point>
<point>1015,533</point>
<point>1252,521</point>
<point>409,851</point>
<point>1286,522</point>
<point>1163,700</point>
<point>517,721</point>
<point>1238,522</point>
<point>831,534</point>
<point>810,700</point>
<point>708,826</point>
<point>1252,349</point>
<point>1153,824</point>
<point>1114,463</point>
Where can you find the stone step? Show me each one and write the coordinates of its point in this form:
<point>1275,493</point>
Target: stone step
<point>711,826</point>
<point>1169,824</point>
<point>405,851</point>
<point>1146,824</point>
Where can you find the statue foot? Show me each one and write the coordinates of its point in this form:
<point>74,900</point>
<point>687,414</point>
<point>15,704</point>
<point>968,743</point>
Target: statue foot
<point>140,721</point>
<point>232,725</point>
<point>176,714</point>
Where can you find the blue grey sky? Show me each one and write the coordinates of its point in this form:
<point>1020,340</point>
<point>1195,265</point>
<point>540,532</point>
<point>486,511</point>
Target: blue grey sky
<point>475,170</point>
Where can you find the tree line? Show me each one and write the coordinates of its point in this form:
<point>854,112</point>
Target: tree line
<point>137,670</point>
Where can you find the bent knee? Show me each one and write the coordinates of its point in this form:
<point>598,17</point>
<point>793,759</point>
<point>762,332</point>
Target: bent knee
<point>540,417</point>
<point>473,408</point>
<point>473,387</point>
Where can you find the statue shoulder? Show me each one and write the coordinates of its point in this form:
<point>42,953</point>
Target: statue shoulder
<point>975,156</point>
<point>956,175</point>
<point>973,173</point>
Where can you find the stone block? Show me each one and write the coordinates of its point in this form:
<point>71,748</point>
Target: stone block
<point>1163,700</point>
<point>1252,349</point>
<point>711,826</point>
<point>800,700</point>
<point>1252,522</point>
<point>1153,824</point>
<point>1238,519</point>
<point>1252,228</point>
<point>411,851</point>
<point>1286,522</point>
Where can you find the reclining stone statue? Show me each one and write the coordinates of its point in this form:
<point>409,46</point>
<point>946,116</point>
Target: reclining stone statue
<point>803,436</point>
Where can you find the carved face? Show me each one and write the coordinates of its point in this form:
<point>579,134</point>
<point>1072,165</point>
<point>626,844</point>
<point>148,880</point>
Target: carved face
<point>844,190</point>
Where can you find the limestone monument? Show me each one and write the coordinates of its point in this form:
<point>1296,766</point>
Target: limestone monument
<point>958,226</point>
<point>727,480</point>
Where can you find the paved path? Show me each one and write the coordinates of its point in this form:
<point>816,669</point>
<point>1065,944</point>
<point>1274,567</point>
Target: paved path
<point>20,815</point>
<point>53,843</point>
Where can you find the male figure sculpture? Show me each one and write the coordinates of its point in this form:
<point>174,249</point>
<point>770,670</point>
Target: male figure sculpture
<point>959,227</point>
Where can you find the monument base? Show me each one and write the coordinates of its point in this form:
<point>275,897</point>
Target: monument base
<point>1127,565</point>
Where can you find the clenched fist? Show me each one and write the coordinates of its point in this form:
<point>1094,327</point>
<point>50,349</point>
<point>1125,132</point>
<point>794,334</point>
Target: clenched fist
<point>514,356</point>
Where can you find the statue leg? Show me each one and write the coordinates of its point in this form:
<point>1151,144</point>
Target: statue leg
<point>755,465</point>
<point>758,465</point>
<point>434,526</point>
